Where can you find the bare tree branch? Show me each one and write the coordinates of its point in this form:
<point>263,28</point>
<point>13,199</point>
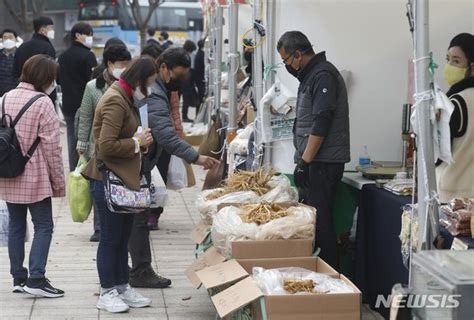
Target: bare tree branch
<point>153,4</point>
<point>12,12</point>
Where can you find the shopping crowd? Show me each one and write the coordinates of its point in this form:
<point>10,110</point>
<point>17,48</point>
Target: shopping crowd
<point>100,104</point>
<point>101,107</point>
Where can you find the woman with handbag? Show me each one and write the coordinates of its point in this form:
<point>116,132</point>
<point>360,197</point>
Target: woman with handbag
<point>42,178</point>
<point>116,58</point>
<point>119,142</point>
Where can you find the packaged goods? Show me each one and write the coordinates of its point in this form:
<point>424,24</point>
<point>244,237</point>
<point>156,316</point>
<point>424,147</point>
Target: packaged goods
<point>456,216</point>
<point>287,281</point>
<point>228,226</point>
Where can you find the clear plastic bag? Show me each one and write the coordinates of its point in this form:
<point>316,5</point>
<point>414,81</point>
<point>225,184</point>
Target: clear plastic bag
<point>299,224</point>
<point>228,227</point>
<point>177,176</point>
<point>158,191</point>
<point>271,281</point>
<point>208,208</point>
<point>281,191</point>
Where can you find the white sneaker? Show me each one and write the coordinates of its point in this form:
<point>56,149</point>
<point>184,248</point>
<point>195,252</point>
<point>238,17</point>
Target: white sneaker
<point>133,299</point>
<point>112,302</point>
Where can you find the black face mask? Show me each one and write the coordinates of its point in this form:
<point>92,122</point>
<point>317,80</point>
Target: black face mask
<point>173,85</point>
<point>292,70</point>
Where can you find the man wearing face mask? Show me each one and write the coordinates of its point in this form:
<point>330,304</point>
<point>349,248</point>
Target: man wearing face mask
<point>40,43</point>
<point>321,133</point>
<point>75,69</point>
<point>173,65</point>
<point>8,81</point>
<point>455,179</point>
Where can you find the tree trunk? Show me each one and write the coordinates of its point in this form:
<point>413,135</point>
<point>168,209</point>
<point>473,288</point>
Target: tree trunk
<point>143,33</point>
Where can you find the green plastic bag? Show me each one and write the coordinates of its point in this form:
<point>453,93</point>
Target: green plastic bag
<point>80,198</point>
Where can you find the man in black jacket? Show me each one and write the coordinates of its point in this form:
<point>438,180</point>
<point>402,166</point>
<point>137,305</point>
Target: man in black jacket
<point>199,71</point>
<point>39,44</point>
<point>174,64</point>
<point>75,69</point>
<point>321,133</point>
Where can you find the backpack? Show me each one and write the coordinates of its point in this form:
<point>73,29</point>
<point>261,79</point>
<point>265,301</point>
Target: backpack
<point>12,160</point>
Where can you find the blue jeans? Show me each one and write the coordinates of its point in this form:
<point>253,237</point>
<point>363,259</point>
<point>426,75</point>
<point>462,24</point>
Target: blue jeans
<point>115,230</point>
<point>42,217</point>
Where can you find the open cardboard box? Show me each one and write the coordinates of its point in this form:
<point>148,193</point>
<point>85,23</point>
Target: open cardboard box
<point>253,249</point>
<point>288,307</point>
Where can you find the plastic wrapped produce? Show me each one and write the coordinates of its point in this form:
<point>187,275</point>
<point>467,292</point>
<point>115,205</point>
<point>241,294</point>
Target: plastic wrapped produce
<point>272,282</point>
<point>456,216</point>
<point>228,226</point>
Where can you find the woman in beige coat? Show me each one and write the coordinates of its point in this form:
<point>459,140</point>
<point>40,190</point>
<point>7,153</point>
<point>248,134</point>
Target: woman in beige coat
<point>118,144</point>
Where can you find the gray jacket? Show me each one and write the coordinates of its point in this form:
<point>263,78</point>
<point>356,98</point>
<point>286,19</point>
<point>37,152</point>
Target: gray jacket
<point>322,110</point>
<point>164,134</point>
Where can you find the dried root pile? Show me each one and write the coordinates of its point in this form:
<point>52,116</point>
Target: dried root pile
<point>296,285</point>
<point>256,181</point>
<point>262,213</point>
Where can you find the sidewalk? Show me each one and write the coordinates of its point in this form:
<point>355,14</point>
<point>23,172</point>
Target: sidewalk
<point>72,267</point>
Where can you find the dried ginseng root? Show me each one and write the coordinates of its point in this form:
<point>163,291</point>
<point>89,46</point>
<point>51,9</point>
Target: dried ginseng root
<point>262,213</point>
<point>256,181</point>
<point>297,285</point>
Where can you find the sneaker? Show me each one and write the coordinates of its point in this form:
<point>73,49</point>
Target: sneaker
<point>134,299</point>
<point>18,285</point>
<point>153,222</point>
<point>95,237</point>
<point>148,278</point>
<point>42,288</point>
<point>112,302</point>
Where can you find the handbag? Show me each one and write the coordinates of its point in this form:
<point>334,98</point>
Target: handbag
<point>120,198</point>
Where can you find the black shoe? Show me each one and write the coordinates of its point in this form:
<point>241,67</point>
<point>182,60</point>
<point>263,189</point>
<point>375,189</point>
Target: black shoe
<point>187,120</point>
<point>18,284</point>
<point>95,237</point>
<point>42,287</point>
<point>148,278</point>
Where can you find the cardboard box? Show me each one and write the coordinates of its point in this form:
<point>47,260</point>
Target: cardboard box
<point>209,258</point>
<point>251,249</point>
<point>289,307</point>
<point>200,233</point>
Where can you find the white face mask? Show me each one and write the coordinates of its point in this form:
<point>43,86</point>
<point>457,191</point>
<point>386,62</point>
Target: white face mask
<point>89,41</point>
<point>117,72</point>
<point>9,44</point>
<point>51,88</point>
<point>50,34</point>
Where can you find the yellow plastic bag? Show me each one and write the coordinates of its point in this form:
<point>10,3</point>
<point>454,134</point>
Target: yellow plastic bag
<point>80,198</point>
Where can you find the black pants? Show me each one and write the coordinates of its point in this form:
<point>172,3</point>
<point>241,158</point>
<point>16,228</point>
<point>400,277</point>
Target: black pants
<point>71,141</point>
<point>321,194</point>
<point>139,243</point>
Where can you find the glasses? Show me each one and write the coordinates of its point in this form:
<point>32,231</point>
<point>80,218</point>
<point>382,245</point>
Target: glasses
<point>291,55</point>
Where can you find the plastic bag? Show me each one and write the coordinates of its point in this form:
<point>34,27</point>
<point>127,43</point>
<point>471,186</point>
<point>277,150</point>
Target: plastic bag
<point>228,227</point>
<point>80,198</point>
<point>3,224</point>
<point>158,191</point>
<point>271,281</point>
<point>208,208</point>
<point>299,224</point>
<point>177,177</point>
<point>281,191</point>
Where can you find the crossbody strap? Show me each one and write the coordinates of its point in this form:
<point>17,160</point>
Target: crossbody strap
<point>24,109</point>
